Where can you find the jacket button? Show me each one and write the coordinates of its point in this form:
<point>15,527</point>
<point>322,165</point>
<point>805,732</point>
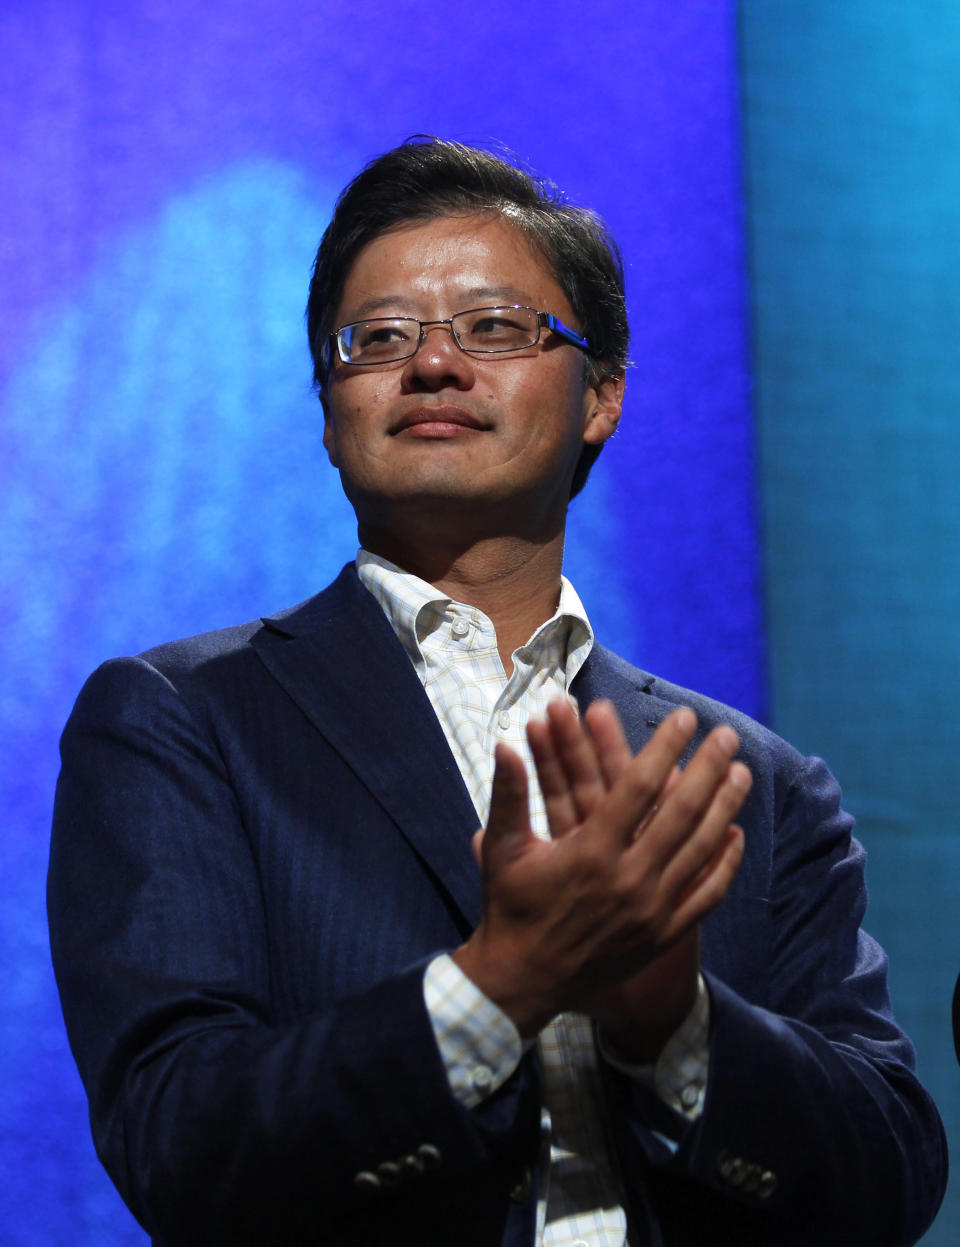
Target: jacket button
<point>725,1165</point>
<point>522,1189</point>
<point>389,1172</point>
<point>366,1181</point>
<point>429,1156</point>
<point>767,1184</point>
<point>411,1165</point>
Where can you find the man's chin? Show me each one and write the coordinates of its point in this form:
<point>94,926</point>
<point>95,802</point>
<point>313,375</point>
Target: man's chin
<point>432,487</point>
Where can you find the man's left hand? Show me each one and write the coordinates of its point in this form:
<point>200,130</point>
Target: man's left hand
<point>577,764</point>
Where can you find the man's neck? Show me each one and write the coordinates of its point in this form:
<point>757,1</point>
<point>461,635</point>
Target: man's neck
<point>515,583</point>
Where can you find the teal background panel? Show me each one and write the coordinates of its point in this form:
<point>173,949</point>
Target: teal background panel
<point>852,153</point>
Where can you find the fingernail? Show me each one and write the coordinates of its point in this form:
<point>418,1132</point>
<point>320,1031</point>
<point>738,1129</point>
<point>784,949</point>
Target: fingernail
<point>740,776</point>
<point>728,740</point>
<point>686,719</point>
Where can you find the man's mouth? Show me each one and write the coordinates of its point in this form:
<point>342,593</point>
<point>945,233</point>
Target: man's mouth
<point>444,420</point>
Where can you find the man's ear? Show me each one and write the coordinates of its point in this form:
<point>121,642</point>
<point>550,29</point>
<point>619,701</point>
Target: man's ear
<point>329,434</point>
<point>603,402</point>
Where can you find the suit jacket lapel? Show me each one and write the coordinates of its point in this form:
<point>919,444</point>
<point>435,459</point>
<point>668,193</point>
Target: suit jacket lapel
<point>338,658</point>
<point>604,675</point>
<point>340,661</point>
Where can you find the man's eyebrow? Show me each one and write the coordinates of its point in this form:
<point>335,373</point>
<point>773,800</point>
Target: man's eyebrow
<point>510,294</point>
<point>476,296</point>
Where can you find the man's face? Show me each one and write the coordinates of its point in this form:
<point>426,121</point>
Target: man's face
<point>500,432</point>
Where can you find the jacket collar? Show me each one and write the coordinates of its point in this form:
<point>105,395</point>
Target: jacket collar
<point>340,661</point>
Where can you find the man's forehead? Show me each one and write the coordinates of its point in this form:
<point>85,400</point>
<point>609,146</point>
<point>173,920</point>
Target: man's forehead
<point>481,256</point>
<point>373,304</point>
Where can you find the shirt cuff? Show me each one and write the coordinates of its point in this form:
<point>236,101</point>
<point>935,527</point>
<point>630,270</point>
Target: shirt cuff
<point>679,1077</point>
<point>479,1046</point>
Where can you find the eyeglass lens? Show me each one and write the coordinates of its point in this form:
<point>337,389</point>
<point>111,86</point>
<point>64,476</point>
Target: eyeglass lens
<point>483,330</point>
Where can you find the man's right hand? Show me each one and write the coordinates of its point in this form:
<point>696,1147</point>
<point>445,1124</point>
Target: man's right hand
<point>641,852</point>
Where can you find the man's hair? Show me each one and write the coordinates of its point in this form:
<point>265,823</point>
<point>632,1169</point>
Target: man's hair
<point>425,178</point>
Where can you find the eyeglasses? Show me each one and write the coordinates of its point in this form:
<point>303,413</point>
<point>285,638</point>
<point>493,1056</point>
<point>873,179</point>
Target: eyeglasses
<point>479,331</point>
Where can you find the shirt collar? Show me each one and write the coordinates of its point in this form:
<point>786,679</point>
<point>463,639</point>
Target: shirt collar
<point>406,600</point>
<point>402,597</point>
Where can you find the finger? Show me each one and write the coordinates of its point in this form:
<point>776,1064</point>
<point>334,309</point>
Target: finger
<point>561,810</point>
<point>477,845</point>
<point>672,780</point>
<point>508,824</point>
<point>577,757</point>
<point>683,808</point>
<point>637,789</point>
<point>681,874</point>
<point>609,743</point>
<point>711,885</point>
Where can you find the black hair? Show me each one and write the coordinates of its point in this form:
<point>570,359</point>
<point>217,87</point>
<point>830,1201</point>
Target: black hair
<point>425,178</point>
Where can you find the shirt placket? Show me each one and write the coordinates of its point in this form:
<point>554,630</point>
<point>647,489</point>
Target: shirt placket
<point>480,706</point>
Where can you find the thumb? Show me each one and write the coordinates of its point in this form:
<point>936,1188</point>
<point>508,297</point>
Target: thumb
<point>508,825</point>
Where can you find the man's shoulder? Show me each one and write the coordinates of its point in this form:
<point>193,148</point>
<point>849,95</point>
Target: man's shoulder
<point>614,677</point>
<point>616,671</point>
<point>193,652</point>
<point>231,644</point>
<point>226,656</point>
<point>213,673</point>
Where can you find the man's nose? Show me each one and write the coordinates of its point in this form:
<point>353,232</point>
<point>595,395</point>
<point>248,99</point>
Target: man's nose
<point>432,326</point>
<point>438,360</point>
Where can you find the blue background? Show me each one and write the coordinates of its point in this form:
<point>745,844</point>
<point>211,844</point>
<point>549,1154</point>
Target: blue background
<point>166,173</point>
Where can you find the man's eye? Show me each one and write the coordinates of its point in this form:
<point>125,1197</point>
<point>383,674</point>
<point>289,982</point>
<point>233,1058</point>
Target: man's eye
<point>498,329</point>
<point>491,325</point>
<point>373,336</point>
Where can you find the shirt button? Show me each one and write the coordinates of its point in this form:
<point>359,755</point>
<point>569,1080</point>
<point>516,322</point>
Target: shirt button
<point>689,1096</point>
<point>460,627</point>
<point>503,720</point>
<point>481,1077</point>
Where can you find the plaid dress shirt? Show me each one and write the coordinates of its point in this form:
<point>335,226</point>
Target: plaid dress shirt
<point>453,648</point>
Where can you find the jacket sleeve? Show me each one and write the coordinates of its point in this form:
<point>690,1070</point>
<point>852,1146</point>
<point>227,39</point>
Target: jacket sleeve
<point>218,1119</point>
<point>815,1130</point>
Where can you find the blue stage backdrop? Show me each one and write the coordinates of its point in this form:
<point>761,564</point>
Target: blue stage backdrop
<point>168,169</point>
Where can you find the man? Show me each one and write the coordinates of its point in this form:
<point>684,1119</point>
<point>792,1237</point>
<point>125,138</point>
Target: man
<point>307,1003</point>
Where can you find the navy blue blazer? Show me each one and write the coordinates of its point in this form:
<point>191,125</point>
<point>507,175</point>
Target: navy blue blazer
<point>260,839</point>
